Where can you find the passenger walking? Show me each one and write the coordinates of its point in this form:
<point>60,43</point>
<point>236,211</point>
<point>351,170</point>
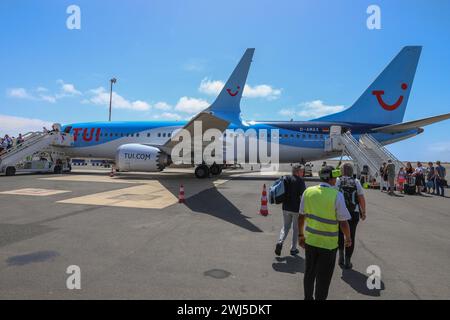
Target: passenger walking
<point>390,172</point>
<point>20,139</point>
<point>419,174</point>
<point>383,177</point>
<point>294,188</point>
<point>401,179</point>
<point>7,142</point>
<point>409,169</point>
<point>431,178</point>
<point>441,173</point>
<point>323,209</point>
<point>353,193</point>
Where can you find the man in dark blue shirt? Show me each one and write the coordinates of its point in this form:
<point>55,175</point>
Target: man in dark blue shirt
<point>440,178</point>
<point>294,188</point>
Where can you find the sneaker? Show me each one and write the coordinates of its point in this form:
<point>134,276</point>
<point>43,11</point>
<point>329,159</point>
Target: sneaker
<point>278,248</point>
<point>294,252</point>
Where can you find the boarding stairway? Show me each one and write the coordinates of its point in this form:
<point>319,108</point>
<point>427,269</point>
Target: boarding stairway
<point>33,142</point>
<point>361,155</point>
<point>380,151</point>
<point>367,154</point>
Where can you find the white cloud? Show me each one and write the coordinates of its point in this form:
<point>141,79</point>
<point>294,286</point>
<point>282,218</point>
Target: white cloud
<point>68,88</point>
<point>168,116</point>
<point>100,96</point>
<point>287,112</point>
<point>443,147</point>
<point>14,125</point>
<point>47,98</point>
<point>213,87</point>
<point>41,89</point>
<point>194,65</point>
<point>311,109</point>
<point>140,105</point>
<point>191,105</point>
<point>261,91</point>
<point>42,93</point>
<point>316,108</point>
<point>19,93</point>
<point>162,106</point>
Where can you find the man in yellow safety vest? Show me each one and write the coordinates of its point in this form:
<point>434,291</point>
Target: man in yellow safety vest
<point>323,208</point>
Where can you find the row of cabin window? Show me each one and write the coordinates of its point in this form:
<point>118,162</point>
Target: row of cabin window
<point>303,136</point>
<point>132,134</point>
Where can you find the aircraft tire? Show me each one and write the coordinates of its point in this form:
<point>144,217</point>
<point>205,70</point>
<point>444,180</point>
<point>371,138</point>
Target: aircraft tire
<point>10,171</point>
<point>202,171</point>
<point>215,169</point>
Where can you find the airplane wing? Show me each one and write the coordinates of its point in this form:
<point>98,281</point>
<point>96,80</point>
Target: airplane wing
<point>226,108</point>
<point>405,126</point>
<point>207,120</point>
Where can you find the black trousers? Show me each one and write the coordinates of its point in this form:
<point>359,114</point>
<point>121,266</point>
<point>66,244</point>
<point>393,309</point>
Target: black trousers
<point>319,268</point>
<point>353,223</point>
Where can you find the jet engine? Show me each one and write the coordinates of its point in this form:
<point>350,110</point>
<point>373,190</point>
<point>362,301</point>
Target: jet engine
<point>139,157</point>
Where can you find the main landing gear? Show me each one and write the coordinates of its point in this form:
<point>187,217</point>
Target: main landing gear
<point>203,171</point>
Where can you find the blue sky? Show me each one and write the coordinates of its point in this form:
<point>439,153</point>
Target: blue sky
<point>170,56</point>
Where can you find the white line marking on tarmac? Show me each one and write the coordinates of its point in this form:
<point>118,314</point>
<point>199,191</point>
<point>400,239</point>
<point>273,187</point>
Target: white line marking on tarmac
<point>35,192</point>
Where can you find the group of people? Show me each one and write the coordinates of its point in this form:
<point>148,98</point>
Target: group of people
<point>8,142</point>
<point>324,220</point>
<point>430,179</point>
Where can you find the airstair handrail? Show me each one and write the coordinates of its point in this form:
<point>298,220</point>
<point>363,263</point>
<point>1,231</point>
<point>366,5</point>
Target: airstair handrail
<point>28,141</point>
<point>356,152</point>
<point>381,150</point>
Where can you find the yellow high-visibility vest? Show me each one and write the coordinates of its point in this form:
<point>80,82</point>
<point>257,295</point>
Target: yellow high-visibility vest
<point>322,226</point>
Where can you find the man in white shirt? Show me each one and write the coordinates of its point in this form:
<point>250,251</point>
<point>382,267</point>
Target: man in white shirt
<point>323,209</point>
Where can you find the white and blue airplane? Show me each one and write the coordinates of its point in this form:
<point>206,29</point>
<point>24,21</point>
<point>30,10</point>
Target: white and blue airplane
<point>378,111</point>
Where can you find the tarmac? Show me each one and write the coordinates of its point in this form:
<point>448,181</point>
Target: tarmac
<point>133,240</point>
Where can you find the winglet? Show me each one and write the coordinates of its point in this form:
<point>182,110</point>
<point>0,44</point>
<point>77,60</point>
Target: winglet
<point>227,104</point>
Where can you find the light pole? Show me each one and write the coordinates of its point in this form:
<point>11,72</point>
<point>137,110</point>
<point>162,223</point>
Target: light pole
<point>113,80</point>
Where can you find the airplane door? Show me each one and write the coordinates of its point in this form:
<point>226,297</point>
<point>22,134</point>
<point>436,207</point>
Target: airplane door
<point>333,143</point>
<point>335,130</point>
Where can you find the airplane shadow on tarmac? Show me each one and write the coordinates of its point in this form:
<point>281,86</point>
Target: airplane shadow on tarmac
<point>210,201</point>
<point>358,281</point>
<point>289,264</point>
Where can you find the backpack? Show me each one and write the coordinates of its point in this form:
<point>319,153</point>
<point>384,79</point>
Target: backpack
<point>349,190</point>
<point>277,191</point>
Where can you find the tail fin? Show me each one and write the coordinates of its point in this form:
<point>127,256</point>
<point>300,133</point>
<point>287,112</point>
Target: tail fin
<point>384,102</point>
<point>227,104</point>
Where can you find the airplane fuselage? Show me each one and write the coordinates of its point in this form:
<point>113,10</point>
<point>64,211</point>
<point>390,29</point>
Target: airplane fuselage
<point>298,141</point>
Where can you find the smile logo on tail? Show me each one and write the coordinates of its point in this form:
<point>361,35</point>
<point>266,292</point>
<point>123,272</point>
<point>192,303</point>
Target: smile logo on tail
<point>233,93</point>
<point>384,105</point>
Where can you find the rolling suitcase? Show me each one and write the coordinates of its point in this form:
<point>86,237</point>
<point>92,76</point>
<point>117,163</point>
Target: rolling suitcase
<point>410,189</point>
<point>410,185</point>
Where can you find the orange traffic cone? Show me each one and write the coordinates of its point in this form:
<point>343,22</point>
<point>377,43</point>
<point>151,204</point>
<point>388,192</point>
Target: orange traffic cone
<point>181,195</point>
<point>264,211</point>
